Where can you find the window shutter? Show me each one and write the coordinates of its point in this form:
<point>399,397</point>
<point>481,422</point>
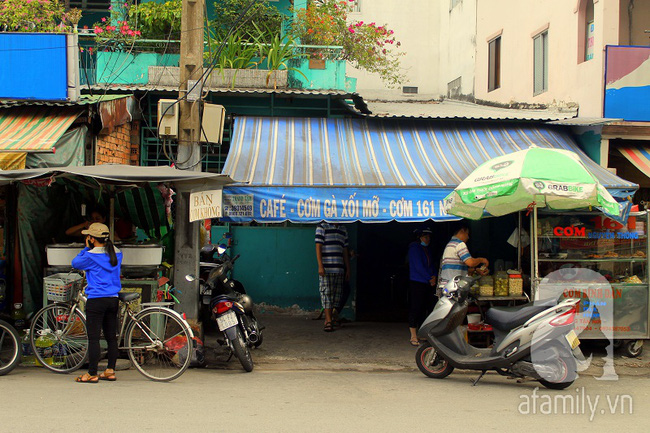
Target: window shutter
<point>538,64</point>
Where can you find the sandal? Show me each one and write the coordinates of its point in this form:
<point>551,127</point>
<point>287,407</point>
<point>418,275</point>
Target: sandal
<point>415,342</point>
<point>328,327</point>
<point>87,378</point>
<point>336,323</point>
<point>108,375</point>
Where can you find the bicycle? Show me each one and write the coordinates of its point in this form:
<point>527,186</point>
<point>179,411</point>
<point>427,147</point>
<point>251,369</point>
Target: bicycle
<point>155,337</point>
<point>11,348</point>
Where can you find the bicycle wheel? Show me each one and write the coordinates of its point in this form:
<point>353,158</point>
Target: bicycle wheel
<point>159,344</point>
<point>11,348</point>
<point>59,339</point>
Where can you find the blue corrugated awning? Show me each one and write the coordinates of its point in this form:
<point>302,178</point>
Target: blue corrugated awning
<point>375,170</point>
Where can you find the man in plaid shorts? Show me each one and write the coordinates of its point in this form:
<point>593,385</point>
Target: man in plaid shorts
<point>333,266</point>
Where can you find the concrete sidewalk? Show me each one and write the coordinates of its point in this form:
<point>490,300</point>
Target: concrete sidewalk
<point>297,342</point>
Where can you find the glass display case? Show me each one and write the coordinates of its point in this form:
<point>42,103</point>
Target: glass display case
<point>604,263</point>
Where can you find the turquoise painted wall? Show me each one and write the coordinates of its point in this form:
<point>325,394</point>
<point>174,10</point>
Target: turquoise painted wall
<point>590,141</point>
<point>332,77</point>
<point>278,264</point>
<point>125,68</point>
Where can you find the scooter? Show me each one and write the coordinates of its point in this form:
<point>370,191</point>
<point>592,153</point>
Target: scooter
<point>535,340</point>
<point>231,309</point>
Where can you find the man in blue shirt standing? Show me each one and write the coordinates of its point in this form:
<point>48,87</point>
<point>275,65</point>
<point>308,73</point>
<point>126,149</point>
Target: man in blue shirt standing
<point>333,266</point>
<point>422,275</point>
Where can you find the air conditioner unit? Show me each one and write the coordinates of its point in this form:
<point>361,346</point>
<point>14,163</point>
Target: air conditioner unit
<point>214,117</point>
<point>168,118</point>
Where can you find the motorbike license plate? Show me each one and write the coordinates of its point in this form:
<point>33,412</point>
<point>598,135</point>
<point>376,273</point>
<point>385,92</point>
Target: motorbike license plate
<point>226,321</point>
<point>573,340</point>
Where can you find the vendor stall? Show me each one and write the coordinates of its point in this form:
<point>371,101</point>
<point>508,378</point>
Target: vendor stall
<point>599,257</point>
<point>140,260</point>
<point>603,262</point>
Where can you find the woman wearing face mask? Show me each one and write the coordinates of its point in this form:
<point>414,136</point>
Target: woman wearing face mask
<point>423,273</point>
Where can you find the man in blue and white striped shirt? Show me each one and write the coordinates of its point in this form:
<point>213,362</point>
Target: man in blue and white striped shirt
<point>333,266</point>
<point>456,259</point>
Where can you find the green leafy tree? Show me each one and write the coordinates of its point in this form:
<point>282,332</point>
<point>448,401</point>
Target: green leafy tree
<point>367,46</point>
<point>32,16</point>
<point>157,20</point>
<point>264,16</point>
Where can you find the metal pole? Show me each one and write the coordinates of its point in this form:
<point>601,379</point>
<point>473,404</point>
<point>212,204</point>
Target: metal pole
<point>535,255</point>
<point>519,247</point>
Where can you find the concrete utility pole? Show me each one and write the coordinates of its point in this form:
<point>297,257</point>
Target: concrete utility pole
<point>186,251</point>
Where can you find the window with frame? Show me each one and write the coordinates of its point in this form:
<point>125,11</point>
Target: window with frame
<point>589,31</point>
<point>356,6</point>
<point>494,64</point>
<point>540,63</point>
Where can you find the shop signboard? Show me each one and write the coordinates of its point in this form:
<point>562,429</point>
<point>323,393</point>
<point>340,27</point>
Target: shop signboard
<point>205,205</point>
<point>627,83</point>
<point>341,204</point>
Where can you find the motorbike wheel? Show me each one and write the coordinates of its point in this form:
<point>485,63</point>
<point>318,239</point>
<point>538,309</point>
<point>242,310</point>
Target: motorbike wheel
<point>632,348</point>
<point>432,364</point>
<point>567,374</point>
<point>242,352</point>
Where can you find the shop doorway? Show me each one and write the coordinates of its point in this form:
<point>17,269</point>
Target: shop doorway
<point>382,267</point>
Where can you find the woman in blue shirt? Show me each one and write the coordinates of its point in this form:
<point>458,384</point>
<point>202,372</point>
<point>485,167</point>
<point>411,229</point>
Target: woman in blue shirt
<point>101,261</point>
<point>422,273</point>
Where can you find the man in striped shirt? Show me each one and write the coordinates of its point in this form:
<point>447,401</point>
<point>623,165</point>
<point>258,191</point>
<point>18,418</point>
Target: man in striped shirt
<point>456,259</point>
<point>333,266</point>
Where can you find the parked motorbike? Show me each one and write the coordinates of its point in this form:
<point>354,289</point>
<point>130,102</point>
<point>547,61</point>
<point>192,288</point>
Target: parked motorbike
<point>231,308</point>
<point>535,340</point>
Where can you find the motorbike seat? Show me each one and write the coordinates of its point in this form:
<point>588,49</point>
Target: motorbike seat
<point>507,318</point>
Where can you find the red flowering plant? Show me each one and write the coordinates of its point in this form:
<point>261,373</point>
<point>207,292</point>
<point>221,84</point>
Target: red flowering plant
<point>367,46</point>
<point>115,33</point>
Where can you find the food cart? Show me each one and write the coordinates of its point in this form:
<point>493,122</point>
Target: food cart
<point>113,178</point>
<point>615,289</point>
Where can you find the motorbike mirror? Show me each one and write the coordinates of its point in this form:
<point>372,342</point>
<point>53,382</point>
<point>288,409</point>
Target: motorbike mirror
<point>190,277</point>
<point>207,249</point>
<point>221,248</point>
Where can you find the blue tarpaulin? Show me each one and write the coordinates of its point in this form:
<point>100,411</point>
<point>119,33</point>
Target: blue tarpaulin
<point>371,170</point>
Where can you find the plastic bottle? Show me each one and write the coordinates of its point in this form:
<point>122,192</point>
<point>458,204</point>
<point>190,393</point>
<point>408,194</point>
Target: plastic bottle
<point>28,356</point>
<point>18,316</point>
<point>44,344</point>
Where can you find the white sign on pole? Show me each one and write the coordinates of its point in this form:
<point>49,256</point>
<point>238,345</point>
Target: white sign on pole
<point>205,205</point>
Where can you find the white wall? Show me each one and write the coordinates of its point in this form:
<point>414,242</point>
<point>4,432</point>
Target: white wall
<point>569,81</point>
<point>457,43</point>
<point>416,25</point>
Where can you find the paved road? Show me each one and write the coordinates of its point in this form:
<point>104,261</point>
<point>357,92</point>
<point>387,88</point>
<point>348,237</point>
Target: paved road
<point>282,400</point>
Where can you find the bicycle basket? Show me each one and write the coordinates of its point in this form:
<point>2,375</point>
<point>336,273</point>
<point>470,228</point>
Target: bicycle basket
<point>61,287</point>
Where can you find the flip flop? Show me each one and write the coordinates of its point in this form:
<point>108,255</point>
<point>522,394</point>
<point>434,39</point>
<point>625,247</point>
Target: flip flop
<point>328,327</point>
<point>415,342</point>
<point>108,376</point>
<point>86,378</point>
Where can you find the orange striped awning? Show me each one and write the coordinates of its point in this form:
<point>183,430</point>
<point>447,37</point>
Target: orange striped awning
<point>639,156</point>
<point>30,129</point>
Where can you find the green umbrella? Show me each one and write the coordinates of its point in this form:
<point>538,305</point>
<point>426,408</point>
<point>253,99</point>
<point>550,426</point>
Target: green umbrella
<point>539,177</point>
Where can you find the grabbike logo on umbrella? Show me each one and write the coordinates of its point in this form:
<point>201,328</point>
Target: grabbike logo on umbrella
<point>496,175</point>
<point>558,187</point>
<point>501,165</point>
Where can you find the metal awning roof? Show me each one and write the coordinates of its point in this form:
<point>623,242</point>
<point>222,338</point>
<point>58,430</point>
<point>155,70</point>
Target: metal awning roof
<point>117,174</point>
<point>381,152</point>
<point>450,109</point>
<point>295,160</point>
<point>32,129</point>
